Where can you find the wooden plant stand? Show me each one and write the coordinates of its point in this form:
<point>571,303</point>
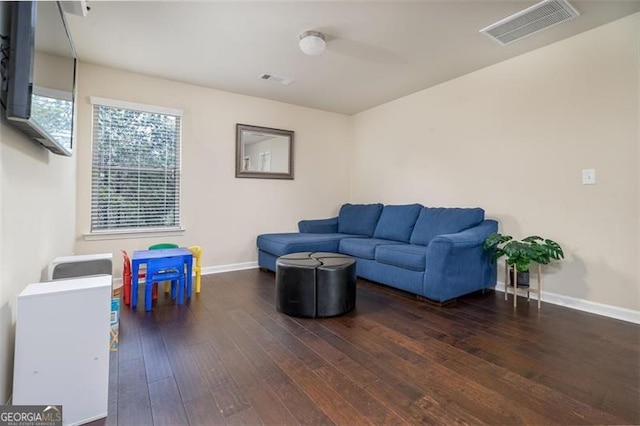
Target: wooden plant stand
<point>530,290</point>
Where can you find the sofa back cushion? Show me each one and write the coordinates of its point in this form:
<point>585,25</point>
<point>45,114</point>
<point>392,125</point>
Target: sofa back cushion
<point>359,219</point>
<point>396,222</point>
<point>434,221</point>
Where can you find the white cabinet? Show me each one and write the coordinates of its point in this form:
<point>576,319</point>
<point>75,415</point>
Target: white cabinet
<point>62,347</point>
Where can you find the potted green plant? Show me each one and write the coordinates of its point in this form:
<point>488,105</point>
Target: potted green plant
<point>520,253</point>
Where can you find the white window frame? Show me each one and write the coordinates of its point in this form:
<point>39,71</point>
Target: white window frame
<point>137,233</point>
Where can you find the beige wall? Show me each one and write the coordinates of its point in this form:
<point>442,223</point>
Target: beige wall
<point>53,72</point>
<point>38,219</point>
<point>221,213</point>
<point>513,139</point>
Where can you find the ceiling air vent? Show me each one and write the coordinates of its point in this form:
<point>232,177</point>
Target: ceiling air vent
<point>276,79</point>
<point>531,20</point>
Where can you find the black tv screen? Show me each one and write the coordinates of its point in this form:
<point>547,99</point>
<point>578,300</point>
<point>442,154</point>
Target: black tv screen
<point>41,75</point>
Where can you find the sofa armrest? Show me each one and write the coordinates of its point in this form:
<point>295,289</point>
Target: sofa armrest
<point>457,264</point>
<point>319,226</point>
<point>472,236</point>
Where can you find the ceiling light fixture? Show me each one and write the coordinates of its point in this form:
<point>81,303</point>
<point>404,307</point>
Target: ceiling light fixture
<point>312,43</point>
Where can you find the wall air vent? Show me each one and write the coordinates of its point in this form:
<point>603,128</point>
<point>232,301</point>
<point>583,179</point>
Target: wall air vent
<point>276,79</point>
<point>530,21</point>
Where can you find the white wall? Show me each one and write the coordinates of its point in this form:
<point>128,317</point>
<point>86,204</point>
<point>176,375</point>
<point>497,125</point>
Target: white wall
<point>513,139</point>
<point>223,214</point>
<point>38,219</point>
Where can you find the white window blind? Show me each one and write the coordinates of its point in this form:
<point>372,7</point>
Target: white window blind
<point>135,168</point>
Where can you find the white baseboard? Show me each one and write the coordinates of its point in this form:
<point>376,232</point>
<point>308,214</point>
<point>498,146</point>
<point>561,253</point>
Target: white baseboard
<point>585,305</point>
<point>229,268</point>
<point>610,311</point>
<point>117,282</point>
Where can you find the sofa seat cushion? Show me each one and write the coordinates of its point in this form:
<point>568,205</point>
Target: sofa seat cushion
<point>359,219</point>
<point>364,248</point>
<point>407,256</point>
<point>396,222</point>
<point>434,221</point>
<point>281,244</point>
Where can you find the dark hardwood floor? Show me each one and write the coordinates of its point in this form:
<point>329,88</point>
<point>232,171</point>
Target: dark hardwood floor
<point>227,357</point>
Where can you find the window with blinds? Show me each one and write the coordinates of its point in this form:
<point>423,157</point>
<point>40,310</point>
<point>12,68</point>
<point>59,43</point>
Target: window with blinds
<point>135,168</point>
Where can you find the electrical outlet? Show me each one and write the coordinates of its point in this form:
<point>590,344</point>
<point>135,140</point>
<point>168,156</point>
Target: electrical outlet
<point>589,176</point>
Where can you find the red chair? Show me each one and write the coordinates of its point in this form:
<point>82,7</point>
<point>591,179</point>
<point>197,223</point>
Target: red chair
<point>126,278</point>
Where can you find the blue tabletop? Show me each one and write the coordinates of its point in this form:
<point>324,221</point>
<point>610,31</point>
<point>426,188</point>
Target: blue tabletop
<point>154,254</point>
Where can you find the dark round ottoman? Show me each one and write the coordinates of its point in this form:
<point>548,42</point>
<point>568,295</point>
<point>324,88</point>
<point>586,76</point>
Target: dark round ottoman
<point>315,284</point>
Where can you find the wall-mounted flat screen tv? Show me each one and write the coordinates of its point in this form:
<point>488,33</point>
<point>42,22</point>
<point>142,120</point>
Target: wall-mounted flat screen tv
<point>40,76</point>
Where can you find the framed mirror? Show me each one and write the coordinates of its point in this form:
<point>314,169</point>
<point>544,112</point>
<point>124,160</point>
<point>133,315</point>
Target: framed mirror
<point>262,152</point>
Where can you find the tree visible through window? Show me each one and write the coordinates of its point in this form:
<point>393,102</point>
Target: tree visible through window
<point>54,116</point>
<point>135,170</point>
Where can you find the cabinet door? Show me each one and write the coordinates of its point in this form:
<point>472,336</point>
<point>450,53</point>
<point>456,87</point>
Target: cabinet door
<point>62,347</point>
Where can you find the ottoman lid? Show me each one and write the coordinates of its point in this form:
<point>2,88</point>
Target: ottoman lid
<point>333,260</point>
<point>316,260</point>
<point>300,260</point>
<point>299,255</point>
<point>335,263</point>
<point>325,255</point>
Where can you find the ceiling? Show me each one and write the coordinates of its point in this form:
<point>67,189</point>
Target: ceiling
<point>376,51</point>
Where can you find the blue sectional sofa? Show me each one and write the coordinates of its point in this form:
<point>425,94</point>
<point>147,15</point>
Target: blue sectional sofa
<point>436,253</point>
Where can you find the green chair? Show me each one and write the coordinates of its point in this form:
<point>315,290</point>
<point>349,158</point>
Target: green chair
<point>163,246</point>
<point>160,246</point>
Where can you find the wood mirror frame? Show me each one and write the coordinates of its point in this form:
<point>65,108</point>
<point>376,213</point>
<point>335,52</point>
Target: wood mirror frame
<point>263,152</point>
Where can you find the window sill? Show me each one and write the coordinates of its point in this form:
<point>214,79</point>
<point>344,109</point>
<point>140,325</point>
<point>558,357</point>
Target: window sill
<point>120,235</point>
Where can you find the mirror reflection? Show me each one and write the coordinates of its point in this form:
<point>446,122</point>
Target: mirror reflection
<point>262,152</point>
<point>53,75</point>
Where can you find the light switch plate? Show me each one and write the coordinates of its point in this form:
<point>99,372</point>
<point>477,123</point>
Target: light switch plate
<point>589,176</point>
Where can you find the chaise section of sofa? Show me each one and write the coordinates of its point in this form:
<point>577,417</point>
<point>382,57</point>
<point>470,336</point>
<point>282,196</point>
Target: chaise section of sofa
<point>321,235</point>
<point>436,253</point>
<point>272,246</point>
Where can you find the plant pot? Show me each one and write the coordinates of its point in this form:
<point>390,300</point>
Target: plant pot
<point>523,278</point>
